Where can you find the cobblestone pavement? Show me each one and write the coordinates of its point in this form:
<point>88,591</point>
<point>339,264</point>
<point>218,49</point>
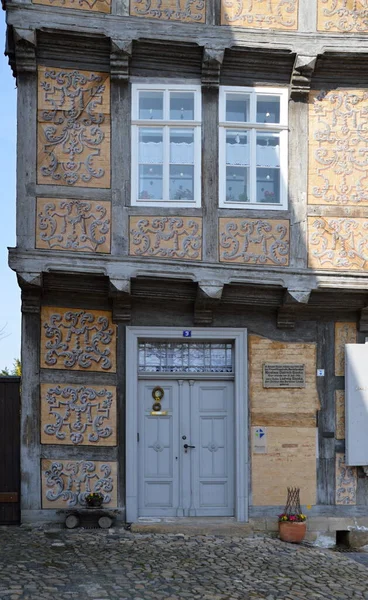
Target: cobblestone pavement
<point>118,565</point>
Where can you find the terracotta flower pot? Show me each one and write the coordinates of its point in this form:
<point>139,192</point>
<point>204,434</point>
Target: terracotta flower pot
<point>293,532</point>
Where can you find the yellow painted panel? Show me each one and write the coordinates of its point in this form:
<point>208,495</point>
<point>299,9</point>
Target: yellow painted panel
<point>345,333</point>
<point>77,339</point>
<point>254,241</point>
<point>342,16</point>
<point>339,414</point>
<point>166,237</point>
<point>73,128</point>
<point>338,147</point>
<point>260,14</point>
<point>289,402</point>
<point>103,6</point>
<point>187,11</point>
<point>338,243</point>
<point>74,225</point>
<point>290,462</point>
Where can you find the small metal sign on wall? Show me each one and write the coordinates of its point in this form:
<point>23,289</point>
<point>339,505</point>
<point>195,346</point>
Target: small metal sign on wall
<point>259,440</point>
<point>283,376</point>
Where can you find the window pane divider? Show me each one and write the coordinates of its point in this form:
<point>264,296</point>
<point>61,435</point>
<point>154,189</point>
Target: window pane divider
<point>249,125</point>
<point>158,123</point>
<point>166,164</point>
<point>253,165</point>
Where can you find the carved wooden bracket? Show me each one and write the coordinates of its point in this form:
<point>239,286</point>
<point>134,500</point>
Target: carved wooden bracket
<point>119,285</point>
<point>31,301</point>
<point>202,316</point>
<point>121,309</point>
<point>209,294</point>
<point>299,296</point>
<point>211,66</point>
<point>211,288</point>
<point>301,76</point>
<point>29,280</point>
<point>121,52</point>
<point>286,314</point>
<point>21,50</point>
<point>286,317</point>
<point>119,291</point>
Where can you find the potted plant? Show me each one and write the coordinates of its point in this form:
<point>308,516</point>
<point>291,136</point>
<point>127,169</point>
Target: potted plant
<point>292,522</point>
<point>94,500</point>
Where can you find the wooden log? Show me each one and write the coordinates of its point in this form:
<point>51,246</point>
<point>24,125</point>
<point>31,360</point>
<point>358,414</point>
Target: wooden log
<point>105,522</point>
<point>72,521</point>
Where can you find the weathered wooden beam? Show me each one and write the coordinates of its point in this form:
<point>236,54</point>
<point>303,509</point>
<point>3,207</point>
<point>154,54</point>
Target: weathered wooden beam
<point>21,50</point>
<point>211,66</point>
<point>301,77</point>
<point>121,52</point>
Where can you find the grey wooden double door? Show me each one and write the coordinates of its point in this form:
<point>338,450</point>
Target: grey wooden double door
<point>186,456</point>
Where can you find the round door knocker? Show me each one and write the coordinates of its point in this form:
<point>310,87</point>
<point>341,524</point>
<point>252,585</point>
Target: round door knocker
<point>157,394</point>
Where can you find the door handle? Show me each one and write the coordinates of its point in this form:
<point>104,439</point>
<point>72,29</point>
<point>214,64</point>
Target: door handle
<point>186,446</point>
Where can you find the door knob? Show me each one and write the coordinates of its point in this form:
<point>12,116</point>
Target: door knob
<point>186,446</point>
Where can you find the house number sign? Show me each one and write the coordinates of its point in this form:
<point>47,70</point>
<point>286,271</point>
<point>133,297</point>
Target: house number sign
<point>283,376</point>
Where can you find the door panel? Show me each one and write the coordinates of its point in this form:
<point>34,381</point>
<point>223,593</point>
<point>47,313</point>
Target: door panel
<point>213,465</point>
<point>200,480</point>
<point>158,447</point>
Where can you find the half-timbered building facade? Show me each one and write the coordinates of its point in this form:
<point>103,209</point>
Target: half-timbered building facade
<point>192,247</point>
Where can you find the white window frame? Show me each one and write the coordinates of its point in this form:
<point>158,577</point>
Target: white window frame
<point>166,124</point>
<point>252,127</point>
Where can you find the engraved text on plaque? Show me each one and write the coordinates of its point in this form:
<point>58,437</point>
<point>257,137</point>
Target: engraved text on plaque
<point>283,376</point>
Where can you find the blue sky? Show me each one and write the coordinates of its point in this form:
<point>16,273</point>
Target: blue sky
<point>10,315</point>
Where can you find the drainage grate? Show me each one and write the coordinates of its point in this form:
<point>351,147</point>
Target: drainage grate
<point>344,549</point>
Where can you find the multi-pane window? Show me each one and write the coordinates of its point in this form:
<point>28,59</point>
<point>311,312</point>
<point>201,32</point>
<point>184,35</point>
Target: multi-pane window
<point>166,145</point>
<point>181,357</point>
<point>253,147</point>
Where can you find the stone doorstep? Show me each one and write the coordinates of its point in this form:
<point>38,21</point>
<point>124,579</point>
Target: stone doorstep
<point>238,530</point>
<point>205,526</point>
<point>316,526</point>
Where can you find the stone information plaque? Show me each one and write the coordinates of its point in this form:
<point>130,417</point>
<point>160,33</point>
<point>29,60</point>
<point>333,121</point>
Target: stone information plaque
<point>283,376</point>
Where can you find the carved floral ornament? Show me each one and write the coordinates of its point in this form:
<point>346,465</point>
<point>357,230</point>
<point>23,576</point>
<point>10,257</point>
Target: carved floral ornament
<point>343,16</point>
<point>260,14</point>
<point>77,339</point>
<point>338,243</point>
<point>166,237</point>
<point>73,128</point>
<point>79,415</point>
<point>254,241</point>
<point>78,225</point>
<point>338,150</point>
<point>346,482</point>
<point>91,5</point>
<point>192,11</point>
<point>66,483</point>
